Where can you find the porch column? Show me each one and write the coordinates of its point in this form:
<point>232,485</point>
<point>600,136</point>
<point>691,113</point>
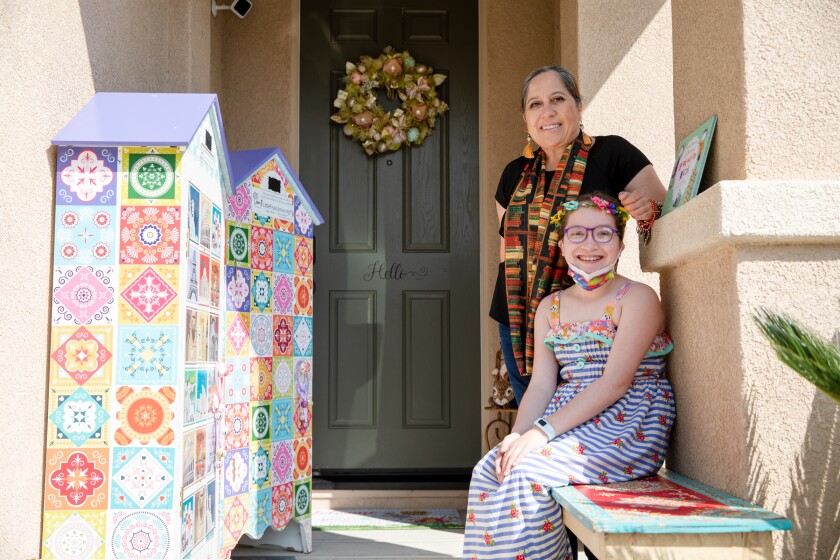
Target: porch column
<point>766,233</point>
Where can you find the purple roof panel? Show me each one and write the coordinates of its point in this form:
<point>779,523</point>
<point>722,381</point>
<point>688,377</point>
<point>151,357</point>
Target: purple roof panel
<point>137,119</point>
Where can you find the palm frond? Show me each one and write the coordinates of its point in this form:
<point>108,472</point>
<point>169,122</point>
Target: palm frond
<point>812,357</point>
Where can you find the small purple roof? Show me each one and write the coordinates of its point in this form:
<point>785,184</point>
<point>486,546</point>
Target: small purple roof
<point>244,162</point>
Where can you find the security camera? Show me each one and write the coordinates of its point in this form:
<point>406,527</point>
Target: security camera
<point>238,7</point>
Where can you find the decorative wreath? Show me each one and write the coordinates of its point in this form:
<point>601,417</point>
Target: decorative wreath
<point>365,120</point>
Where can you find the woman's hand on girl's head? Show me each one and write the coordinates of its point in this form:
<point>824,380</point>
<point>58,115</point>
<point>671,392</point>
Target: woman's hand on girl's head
<point>516,450</point>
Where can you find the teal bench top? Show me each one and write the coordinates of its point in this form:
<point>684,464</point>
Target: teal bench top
<point>664,503</point>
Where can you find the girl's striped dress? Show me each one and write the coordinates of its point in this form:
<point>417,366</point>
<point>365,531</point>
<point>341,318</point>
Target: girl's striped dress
<point>518,519</point>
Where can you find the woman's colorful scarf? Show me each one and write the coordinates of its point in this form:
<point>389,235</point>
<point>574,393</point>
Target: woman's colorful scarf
<point>533,264</point>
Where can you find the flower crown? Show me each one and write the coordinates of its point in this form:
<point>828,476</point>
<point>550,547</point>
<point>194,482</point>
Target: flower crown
<point>594,202</point>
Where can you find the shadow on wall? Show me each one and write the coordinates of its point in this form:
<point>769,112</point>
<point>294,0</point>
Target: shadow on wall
<point>148,46</point>
<point>814,506</point>
<point>815,502</point>
<point>624,23</point>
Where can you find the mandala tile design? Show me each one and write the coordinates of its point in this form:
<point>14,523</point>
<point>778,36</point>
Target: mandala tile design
<point>84,235</point>
<point>238,333</point>
<point>303,498</point>
<point>283,380</point>
<point>140,535</point>
<point>142,477</point>
<point>150,234</point>
<point>145,416</point>
<point>303,222</point>
<point>282,419</point>
<point>303,336</point>
<point>238,282</point>
<point>303,379</point>
<point>83,295</point>
<point>238,245</point>
<point>303,296</point>
<point>262,248</point>
<point>78,417</point>
<point>303,458</point>
<point>283,344</point>
<point>303,256</point>
<point>238,208</point>
<point>86,176</point>
<point>284,294</point>
<point>260,511</point>
<point>76,535</point>
<point>76,479</point>
<point>148,295</point>
<point>235,472</point>
<point>260,422</point>
<point>236,517</point>
<point>281,504</point>
<point>238,424</point>
<point>284,250</point>
<point>79,355</point>
<point>261,293</point>
<point>260,467</point>
<point>260,379</point>
<point>303,417</point>
<point>263,221</point>
<point>261,335</point>
<point>237,380</point>
<point>151,176</point>
<point>148,355</point>
<point>282,469</point>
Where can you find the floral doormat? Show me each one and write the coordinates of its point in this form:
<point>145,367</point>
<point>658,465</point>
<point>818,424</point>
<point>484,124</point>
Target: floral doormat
<point>352,519</point>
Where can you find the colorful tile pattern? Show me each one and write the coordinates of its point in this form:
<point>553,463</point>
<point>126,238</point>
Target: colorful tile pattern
<point>140,535</point>
<point>149,295</point>
<point>81,354</point>
<point>150,235</point>
<point>142,477</point>
<point>74,534</point>
<point>86,176</point>
<point>76,479</point>
<point>78,417</point>
<point>85,235</point>
<point>83,295</point>
<point>148,355</point>
<point>150,175</point>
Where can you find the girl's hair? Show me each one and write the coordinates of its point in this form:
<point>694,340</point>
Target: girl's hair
<point>565,76</point>
<point>587,198</point>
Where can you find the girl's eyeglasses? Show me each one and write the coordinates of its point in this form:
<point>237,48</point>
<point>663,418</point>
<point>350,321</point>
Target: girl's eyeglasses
<point>578,234</point>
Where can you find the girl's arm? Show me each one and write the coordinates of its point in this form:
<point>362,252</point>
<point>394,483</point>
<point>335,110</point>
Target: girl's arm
<point>641,319</point>
<point>540,390</point>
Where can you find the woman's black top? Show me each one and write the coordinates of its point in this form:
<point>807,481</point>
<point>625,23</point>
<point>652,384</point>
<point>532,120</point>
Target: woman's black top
<point>612,163</point>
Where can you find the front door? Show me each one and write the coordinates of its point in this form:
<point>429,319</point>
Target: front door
<point>397,313</point>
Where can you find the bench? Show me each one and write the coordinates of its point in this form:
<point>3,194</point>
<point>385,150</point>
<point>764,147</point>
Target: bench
<point>667,516</point>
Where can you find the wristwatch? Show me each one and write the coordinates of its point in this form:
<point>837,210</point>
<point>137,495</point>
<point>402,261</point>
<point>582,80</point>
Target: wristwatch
<point>545,426</point>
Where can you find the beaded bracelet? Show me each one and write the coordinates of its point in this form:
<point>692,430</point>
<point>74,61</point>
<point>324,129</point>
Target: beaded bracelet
<point>644,227</point>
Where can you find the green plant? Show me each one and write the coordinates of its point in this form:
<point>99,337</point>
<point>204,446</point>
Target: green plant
<point>812,357</point>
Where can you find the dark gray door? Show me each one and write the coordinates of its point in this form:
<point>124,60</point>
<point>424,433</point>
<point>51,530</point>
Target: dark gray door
<point>396,274</point>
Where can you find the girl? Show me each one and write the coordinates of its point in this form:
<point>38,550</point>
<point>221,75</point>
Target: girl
<point>610,417</point>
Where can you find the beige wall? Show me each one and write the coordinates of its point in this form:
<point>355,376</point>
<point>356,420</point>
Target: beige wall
<point>505,59</point>
<point>259,97</point>
<point>621,54</point>
<point>53,57</point>
<point>766,234</point>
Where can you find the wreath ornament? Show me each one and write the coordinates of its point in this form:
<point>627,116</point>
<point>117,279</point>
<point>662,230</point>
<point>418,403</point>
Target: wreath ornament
<point>366,121</point>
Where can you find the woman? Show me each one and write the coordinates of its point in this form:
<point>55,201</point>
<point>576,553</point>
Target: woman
<point>609,418</point>
<point>568,163</point>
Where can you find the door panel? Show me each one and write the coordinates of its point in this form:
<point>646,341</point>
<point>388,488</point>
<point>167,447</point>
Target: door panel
<point>396,301</point>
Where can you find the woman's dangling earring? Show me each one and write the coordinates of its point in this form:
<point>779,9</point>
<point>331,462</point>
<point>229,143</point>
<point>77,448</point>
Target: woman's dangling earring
<point>528,152</point>
<point>581,125</point>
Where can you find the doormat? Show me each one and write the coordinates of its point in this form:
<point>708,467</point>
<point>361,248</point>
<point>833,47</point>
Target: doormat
<point>360,519</point>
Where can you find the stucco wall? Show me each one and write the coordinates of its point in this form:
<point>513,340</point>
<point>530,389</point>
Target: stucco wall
<point>746,423</point>
<point>53,57</point>
<point>792,87</point>
<point>621,52</point>
<point>260,60</point>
